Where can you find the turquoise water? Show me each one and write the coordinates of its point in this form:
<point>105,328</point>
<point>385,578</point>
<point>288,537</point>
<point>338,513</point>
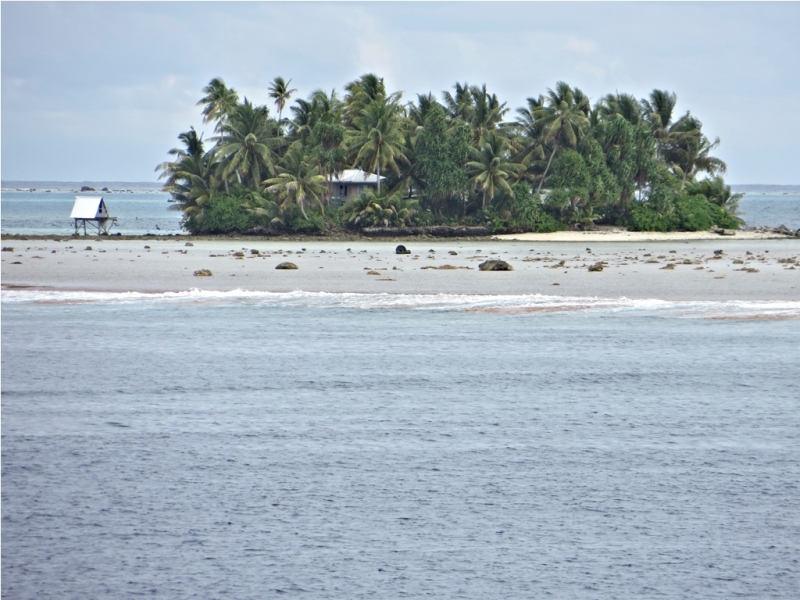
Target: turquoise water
<point>247,446</point>
<point>45,213</point>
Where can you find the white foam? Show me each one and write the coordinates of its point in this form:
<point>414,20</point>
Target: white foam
<point>520,303</point>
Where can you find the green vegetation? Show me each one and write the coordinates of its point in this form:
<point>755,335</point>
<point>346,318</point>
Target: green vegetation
<point>560,163</point>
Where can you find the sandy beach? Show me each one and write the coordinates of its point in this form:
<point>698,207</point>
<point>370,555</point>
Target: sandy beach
<point>755,267</point>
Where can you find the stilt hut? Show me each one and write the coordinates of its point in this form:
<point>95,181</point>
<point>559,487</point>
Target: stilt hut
<point>91,211</point>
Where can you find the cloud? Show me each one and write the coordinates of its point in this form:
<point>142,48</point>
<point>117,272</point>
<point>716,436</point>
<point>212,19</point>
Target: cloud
<point>580,46</point>
<point>123,78</point>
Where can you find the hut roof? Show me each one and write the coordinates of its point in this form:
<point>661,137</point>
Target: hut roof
<point>89,207</point>
<point>356,176</point>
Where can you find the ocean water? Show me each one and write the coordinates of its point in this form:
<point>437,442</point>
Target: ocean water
<point>146,209</point>
<point>47,213</point>
<point>255,445</point>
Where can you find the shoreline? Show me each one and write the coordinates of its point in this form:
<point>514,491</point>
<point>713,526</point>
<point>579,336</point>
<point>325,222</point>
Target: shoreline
<point>763,268</point>
<point>604,235</point>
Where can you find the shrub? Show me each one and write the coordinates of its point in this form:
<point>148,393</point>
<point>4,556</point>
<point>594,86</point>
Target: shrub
<point>222,214</point>
<point>643,217</point>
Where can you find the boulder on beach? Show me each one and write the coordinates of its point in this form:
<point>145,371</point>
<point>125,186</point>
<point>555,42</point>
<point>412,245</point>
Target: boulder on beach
<point>203,273</point>
<point>402,250</point>
<point>596,267</point>
<point>286,266</point>
<point>495,265</point>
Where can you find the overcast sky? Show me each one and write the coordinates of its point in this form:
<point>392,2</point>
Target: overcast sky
<point>100,90</point>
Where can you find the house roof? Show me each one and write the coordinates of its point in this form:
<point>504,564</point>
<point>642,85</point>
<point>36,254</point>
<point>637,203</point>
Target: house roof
<point>88,207</point>
<point>356,176</point>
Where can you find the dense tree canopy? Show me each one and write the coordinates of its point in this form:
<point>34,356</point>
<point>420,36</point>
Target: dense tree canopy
<point>562,162</point>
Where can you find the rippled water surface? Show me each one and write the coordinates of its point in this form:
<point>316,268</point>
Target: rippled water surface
<point>234,449</point>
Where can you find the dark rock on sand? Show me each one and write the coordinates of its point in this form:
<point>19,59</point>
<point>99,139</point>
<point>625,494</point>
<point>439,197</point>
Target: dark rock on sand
<point>86,188</point>
<point>286,266</point>
<point>596,267</point>
<point>495,265</point>
<point>402,250</point>
<point>203,273</point>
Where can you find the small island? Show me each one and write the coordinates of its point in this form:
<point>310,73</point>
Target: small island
<point>371,160</point>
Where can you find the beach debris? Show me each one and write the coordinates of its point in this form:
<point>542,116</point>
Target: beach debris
<point>556,284</point>
<point>738,262</point>
<point>495,265</point>
<point>147,247</point>
<point>88,249</point>
<point>16,262</point>
<point>748,270</point>
<point>238,255</point>
<point>372,273</point>
<point>596,267</point>
<point>402,250</point>
<point>718,252</point>
<point>188,244</point>
<point>285,266</point>
<point>203,273</point>
<point>453,253</point>
<point>558,265</point>
<point>255,252</point>
<point>668,267</point>
<point>8,249</point>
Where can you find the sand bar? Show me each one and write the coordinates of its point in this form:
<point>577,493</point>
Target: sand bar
<point>747,269</point>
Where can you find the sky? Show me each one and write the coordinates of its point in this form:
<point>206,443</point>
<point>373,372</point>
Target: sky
<point>100,90</point>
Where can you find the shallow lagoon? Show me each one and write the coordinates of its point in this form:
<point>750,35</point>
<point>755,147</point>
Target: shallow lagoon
<point>242,450</point>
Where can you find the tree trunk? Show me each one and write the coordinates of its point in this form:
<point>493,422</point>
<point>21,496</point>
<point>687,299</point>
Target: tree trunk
<point>547,168</point>
<point>302,210</point>
<point>379,178</point>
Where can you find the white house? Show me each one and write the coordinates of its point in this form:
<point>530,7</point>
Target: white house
<point>351,183</point>
<point>91,210</point>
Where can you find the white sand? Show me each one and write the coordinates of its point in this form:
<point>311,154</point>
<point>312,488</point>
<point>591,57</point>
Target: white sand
<point>635,267</point>
<point>621,235</point>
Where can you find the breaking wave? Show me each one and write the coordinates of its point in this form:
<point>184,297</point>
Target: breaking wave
<point>502,304</point>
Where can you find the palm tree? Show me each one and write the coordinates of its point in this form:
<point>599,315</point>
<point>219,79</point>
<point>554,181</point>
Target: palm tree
<point>190,177</point>
<point>690,155</point>
<point>461,105</point>
<point>361,93</point>
<point>490,169</point>
<point>377,140</point>
<point>219,102</point>
<point>380,210</point>
<point>658,112</point>
<point>487,112</point>
<point>528,142</point>
<point>298,180</point>
<point>246,143</point>
<point>625,105</point>
<point>280,92</point>
<point>563,120</point>
<point>417,112</point>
